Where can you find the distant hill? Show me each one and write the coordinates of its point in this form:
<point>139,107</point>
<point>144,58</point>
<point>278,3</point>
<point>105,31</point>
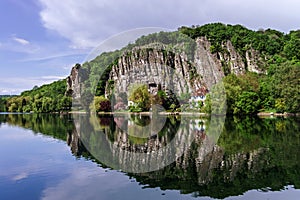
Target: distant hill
<point>46,98</point>
<point>7,96</point>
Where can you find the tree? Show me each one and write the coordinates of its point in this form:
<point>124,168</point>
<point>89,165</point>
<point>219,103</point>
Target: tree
<point>247,103</point>
<point>292,46</point>
<point>47,103</point>
<point>140,95</point>
<point>287,86</point>
<point>2,105</point>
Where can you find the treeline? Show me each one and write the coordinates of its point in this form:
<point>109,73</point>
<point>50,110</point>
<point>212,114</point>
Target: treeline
<point>44,99</point>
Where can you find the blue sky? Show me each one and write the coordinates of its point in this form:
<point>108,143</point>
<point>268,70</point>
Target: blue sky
<point>30,54</point>
<point>40,40</point>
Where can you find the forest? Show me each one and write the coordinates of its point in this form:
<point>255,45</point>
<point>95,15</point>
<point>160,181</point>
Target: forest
<point>43,99</point>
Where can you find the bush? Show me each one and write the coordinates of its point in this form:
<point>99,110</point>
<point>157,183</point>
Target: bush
<point>100,103</point>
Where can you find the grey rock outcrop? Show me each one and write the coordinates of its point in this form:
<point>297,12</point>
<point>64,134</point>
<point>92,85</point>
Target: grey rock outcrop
<point>175,72</point>
<point>75,81</point>
<point>208,66</point>
<point>158,67</point>
<point>152,67</point>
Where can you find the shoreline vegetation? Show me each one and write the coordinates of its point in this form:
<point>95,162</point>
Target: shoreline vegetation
<point>191,114</point>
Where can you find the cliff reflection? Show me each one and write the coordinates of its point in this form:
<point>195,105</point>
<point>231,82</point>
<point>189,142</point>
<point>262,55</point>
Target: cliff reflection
<point>250,153</point>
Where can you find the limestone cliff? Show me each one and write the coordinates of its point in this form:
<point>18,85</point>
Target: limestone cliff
<point>153,67</point>
<point>75,81</point>
<point>175,72</point>
<point>172,71</point>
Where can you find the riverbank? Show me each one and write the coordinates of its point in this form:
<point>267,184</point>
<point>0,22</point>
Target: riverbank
<point>193,114</point>
<point>151,113</point>
<point>270,114</point>
<point>260,114</point>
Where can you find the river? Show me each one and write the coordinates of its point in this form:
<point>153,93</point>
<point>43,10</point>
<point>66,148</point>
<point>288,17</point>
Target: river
<point>52,156</point>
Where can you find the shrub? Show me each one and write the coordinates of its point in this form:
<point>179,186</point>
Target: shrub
<point>100,103</point>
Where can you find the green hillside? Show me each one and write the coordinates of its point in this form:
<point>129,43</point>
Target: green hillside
<point>46,98</point>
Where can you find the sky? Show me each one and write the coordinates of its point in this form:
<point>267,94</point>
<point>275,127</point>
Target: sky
<point>40,40</point>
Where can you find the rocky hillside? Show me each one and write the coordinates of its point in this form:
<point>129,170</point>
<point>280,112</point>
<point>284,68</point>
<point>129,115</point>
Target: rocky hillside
<point>158,65</point>
<point>152,66</point>
<point>188,61</point>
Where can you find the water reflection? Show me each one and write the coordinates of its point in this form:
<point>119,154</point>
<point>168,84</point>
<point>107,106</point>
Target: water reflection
<point>151,147</point>
<point>250,153</point>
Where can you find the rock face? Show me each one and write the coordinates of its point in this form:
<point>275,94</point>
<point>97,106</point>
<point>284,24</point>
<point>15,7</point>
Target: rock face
<point>254,61</point>
<point>75,81</point>
<point>207,64</point>
<point>172,71</point>
<point>155,68</point>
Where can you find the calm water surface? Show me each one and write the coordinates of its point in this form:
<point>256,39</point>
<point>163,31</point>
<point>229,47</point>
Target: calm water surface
<point>49,157</point>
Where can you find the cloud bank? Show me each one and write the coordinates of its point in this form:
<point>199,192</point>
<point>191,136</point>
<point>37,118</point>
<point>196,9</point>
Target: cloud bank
<point>86,23</point>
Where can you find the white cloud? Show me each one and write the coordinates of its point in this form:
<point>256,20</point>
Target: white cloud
<point>18,44</point>
<point>86,23</point>
<point>18,177</point>
<point>20,40</point>
<point>53,57</point>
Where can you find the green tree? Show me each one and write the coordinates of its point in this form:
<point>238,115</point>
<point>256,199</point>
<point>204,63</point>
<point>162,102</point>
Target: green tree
<point>47,103</point>
<point>2,104</point>
<point>247,103</point>
<point>292,46</point>
<point>140,95</point>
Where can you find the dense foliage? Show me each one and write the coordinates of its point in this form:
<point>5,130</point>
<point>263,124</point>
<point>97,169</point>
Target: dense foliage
<point>101,104</point>
<point>265,41</point>
<point>276,92</point>
<point>47,98</point>
<point>3,104</point>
